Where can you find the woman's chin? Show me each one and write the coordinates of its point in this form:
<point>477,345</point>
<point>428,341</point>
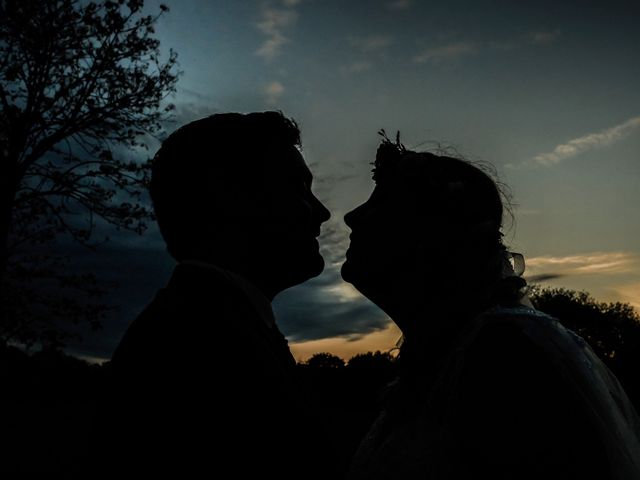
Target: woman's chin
<point>346,271</point>
<point>353,273</point>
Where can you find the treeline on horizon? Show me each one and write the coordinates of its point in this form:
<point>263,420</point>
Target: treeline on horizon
<point>50,397</point>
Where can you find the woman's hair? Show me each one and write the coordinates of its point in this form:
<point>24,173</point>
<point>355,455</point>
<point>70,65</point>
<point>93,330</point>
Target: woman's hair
<point>461,207</point>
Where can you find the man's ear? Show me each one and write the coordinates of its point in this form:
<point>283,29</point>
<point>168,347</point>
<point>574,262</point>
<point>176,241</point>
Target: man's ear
<point>219,239</point>
<point>237,202</point>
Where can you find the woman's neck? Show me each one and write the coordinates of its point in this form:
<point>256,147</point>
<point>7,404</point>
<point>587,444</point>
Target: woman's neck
<point>430,338</point>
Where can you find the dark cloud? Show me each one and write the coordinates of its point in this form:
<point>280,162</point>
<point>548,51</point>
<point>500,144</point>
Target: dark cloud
<point>187,112</point>
<point>322,307</point>
<point>317,309</point>
<point>544,277</point>
<point>334,241</point>
<point>138,266</point>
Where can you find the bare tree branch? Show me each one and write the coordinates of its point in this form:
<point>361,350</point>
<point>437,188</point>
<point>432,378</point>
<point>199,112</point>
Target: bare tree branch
<point>80,83</point>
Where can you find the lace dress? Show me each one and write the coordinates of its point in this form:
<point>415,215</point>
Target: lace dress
<point>518,396</point>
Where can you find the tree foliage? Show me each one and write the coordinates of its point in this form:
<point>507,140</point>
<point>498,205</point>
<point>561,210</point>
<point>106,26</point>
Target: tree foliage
<point>612,329</point>
<point>81,86</point>
<point>53,394</point>
<point>45,300</point>
<point>325,360</point>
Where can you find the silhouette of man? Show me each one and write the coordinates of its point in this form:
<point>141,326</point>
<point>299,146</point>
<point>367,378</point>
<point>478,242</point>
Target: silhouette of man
<point>204,379</point>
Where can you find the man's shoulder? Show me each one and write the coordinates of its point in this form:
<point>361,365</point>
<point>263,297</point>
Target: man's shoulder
<point>200,310</point>
<point>199,291</point>
<point>194,282</point>
<point>194,308</point>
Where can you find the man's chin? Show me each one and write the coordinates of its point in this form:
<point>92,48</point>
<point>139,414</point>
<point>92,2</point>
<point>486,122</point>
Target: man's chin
<point>306,269</point>
<point>316,266</point>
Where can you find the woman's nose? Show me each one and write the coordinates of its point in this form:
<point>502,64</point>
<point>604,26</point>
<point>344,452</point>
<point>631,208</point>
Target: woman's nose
<point>351,217</point>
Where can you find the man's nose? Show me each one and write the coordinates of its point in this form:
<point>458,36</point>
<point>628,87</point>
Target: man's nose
<point>322,213</point>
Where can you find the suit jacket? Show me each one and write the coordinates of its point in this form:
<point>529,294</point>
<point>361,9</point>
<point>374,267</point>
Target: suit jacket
<point>202,383</point>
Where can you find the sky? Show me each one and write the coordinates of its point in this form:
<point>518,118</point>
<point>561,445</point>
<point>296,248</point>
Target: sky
<point>547,92</point>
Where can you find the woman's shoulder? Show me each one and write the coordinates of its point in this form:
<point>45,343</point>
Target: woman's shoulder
<point>510,342</point>
<point>518,369</point>
<point>524,325</point>
<point>516,314</point>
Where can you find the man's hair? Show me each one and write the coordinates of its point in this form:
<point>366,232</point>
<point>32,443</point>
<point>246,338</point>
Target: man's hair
<point>207,154</point>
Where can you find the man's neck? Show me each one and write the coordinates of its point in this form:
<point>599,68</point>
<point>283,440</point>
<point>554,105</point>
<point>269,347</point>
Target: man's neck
<point>260,301</point>
<point>255,278</point>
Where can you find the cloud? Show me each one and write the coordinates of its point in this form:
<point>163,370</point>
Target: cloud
<point>588,142</point>
<point>445,52</point>
<point>400,4</point>
<point>384,340</point>
<point>334,241</point>
<point>186,112</point>
<point>457,49</point>
<point>322,308</point>
<point>371,43</point>
<point>594,263</point>
<point>273,92</point>
<point>327,307</point>
<point>543,37</point>
<point>139,265</point>
<point>545,277</point>
<point>370,46</point>
<point>275,21</point>
<point>356,67</point>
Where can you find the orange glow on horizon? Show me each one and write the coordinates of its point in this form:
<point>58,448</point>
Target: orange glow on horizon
<point>383,340</point>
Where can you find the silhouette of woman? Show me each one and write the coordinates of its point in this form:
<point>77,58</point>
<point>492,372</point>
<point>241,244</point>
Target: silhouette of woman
<point>488,386</point>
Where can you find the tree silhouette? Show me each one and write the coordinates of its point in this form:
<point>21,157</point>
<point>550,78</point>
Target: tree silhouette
<point>379,364</point>
<point>347,396</point>
<point>52,395</point>
<point>81,83</point>
<point>612,329</point>
<point>51,398</point>
<point>368,375</point>
<point>325,360</point>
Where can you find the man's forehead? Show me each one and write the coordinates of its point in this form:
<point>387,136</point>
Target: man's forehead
<point>306,171</point>
<point>290,163</point>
